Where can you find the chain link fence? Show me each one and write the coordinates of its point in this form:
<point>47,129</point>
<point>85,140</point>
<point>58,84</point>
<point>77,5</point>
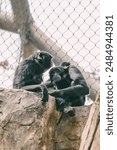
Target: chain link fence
<point>72,24</point>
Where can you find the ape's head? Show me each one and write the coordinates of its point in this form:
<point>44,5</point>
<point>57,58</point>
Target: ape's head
<point>56,74</point>
<point>59,73</point>
<point>65,64</point>
<point>43,59</point>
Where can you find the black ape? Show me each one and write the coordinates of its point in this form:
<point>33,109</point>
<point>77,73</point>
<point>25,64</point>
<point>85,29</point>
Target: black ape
<point>70,85</point>
<point>31,70</point>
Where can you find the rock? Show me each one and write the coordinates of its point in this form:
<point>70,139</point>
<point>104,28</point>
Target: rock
<point>68,132</point>
<point>25,124</point>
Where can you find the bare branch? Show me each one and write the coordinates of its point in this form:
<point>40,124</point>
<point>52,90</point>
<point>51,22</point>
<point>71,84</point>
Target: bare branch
<point>43,42</point>
<point>23,19</point>
<point>7,23</point>
<point>21,12</point>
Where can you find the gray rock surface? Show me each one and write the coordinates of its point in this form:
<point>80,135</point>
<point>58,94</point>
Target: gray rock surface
<point>25,124</point>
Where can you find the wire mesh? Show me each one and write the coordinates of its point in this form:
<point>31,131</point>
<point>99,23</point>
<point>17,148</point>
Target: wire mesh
<point>72,24</point>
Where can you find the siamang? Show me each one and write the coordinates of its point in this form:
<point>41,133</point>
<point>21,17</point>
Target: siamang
<point>70,87</point>
<point>29,73</point>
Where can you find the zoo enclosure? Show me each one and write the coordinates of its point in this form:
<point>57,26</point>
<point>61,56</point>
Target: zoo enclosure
<point>68,29</point>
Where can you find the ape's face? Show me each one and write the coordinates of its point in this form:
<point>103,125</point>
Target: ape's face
<point>44,59</point>
<point>56,74</point>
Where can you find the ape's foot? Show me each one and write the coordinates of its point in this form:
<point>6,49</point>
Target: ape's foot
<point>70,111</point>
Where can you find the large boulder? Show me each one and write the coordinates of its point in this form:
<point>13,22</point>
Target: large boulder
<point>27,124</point>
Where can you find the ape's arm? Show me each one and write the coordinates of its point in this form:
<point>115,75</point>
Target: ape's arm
<point>78,86</point>
<point>33,88</point>
<point>77,77</point>
<point>77,90</point>
<point>38,88</point>
<point>48,84</point>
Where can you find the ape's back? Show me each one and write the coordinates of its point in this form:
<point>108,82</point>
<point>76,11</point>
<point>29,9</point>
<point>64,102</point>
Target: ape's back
<point>30,71</point>
<point>27,73</point>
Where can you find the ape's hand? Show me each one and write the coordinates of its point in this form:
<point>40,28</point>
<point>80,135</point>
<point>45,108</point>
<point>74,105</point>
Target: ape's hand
<point>55,93</point>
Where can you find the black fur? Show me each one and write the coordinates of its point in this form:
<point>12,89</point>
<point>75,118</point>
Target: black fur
<point>70,85</point>
<point>31,70</point>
